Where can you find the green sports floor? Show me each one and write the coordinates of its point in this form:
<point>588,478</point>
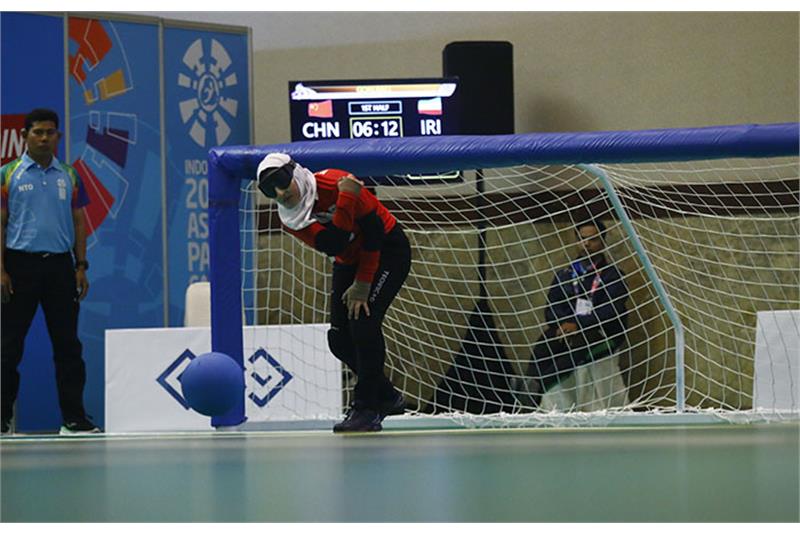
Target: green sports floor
<point>719,473</point>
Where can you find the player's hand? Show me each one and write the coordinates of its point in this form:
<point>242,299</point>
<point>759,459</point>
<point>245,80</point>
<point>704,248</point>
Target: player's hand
<point>81,283</point>
<point>7,288</point>
<point>355,298</point>
<point>350,184</point>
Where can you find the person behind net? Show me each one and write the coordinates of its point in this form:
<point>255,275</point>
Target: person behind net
<point>586,316</point>
<point>332,212</point>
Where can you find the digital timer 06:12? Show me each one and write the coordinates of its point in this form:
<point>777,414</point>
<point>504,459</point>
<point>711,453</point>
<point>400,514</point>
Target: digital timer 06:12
<point>361,127</point>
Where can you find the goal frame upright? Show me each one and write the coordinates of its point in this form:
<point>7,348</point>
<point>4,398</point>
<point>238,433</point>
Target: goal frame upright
<point>230,166</point>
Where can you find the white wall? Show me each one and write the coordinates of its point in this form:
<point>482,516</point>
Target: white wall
<point>573,71</point>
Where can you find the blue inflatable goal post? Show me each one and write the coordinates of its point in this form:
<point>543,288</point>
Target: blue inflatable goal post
<point>701,228</point>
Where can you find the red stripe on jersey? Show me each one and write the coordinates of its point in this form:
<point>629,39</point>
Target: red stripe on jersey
<point>349,208</point>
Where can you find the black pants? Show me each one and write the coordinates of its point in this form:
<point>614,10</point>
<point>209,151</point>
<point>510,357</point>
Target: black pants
<point>49,281</point>
<point>554,359</point>
<point>359,342</point>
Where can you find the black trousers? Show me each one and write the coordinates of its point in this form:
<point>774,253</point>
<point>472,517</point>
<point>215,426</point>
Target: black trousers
<point>50,281</point>
<point>554,359</point>
<point>359,342</point>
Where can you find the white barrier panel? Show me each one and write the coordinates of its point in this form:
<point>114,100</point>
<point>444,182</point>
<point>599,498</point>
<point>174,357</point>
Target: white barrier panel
<point>777,361</point>
<point>289,374</point>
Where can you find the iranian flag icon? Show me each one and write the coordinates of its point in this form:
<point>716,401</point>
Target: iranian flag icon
<point>431,106</point>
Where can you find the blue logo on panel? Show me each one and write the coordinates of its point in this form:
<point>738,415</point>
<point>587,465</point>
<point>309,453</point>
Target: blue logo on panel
<point>208,76</point>
<point>170,379</point>
<point>270,376</point>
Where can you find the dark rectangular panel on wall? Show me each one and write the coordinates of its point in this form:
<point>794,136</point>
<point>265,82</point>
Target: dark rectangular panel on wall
<point>486,89</point>
<point>207,104</point>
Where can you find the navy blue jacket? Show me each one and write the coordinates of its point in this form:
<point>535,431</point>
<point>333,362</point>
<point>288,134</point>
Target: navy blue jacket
<point>608,300</point>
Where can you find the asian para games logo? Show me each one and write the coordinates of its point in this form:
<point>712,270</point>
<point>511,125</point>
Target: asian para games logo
<point>208,76</point>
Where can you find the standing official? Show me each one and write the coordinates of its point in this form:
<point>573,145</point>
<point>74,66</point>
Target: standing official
<point>43,243</point>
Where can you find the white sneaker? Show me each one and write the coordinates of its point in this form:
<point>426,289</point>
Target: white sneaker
<point>78,427</point>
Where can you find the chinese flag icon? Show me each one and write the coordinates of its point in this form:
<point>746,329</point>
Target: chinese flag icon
<point>321,110</point>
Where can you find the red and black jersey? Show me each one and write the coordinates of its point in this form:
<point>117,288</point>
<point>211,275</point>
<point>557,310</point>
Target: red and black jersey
<point>351,227</point>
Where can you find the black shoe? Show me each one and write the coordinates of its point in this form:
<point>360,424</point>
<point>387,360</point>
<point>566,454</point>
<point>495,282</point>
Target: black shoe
<point>5,426</point>
<point>360,420</point>
<point>78,426</point>
<point>396,405</point>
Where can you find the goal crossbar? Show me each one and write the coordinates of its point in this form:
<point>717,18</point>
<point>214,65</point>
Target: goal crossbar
<point>418,155</point>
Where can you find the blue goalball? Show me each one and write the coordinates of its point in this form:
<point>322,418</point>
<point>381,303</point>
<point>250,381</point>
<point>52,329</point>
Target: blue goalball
<point>212,383</point>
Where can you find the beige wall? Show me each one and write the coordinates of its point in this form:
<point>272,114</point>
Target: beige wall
<point>572,71</point>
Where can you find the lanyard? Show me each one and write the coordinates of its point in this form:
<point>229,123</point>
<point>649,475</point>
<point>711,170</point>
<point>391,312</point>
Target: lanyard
<point>577,272</point>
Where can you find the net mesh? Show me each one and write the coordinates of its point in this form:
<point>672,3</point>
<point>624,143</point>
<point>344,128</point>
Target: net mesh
<point>722,238</point>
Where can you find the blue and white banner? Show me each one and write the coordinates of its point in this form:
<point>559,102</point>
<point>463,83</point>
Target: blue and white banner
<point>114,137</point>
<point>29,84</point>
<point>115,145</point>
<point>206,80</point>
<point>19,94</point>
<point>289,376</point>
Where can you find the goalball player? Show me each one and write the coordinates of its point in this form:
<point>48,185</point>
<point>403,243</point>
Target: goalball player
<point>335,214</point>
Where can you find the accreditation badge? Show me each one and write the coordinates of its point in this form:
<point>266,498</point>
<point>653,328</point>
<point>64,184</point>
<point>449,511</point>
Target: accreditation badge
<point>583,307</point>
<point>62,189</point>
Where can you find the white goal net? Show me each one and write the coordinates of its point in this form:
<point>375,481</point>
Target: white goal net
<point>706,250</point>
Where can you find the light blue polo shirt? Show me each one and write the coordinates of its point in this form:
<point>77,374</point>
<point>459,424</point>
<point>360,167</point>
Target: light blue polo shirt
<point>40,203</point>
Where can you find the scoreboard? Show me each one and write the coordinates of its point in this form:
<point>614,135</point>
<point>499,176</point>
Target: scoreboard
<point>368,109</point>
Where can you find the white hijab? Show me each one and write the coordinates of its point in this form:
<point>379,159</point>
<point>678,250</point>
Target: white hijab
<point>299,216</point>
